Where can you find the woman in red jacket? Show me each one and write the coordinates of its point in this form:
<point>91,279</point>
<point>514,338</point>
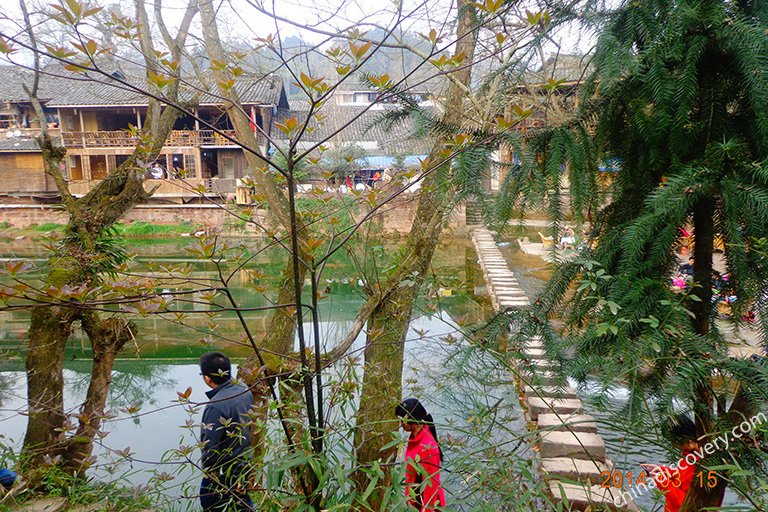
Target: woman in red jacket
<point>423,456</point>
<point>674,482</point>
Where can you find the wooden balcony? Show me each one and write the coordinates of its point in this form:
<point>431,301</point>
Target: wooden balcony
<point>123,139</point>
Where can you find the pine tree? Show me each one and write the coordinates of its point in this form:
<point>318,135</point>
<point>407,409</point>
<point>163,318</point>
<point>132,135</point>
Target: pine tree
<point>679,96</point>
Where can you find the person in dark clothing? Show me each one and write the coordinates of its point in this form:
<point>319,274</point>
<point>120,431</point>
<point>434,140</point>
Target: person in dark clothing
<point>7,478</point>
<point>687,268</point>
<point>225,438</point>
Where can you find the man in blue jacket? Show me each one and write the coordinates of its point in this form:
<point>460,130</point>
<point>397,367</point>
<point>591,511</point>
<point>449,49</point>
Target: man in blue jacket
<point>225,438</point>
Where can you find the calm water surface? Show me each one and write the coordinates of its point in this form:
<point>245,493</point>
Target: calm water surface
<point>455,383</point>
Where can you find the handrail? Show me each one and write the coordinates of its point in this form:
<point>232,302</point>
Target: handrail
<point>176,138</point>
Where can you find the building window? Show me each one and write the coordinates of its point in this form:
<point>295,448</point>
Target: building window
<point>8,120</point>
<point>189,166</point>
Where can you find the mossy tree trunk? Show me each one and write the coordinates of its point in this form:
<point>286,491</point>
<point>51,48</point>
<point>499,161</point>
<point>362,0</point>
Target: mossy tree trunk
<point>77,262</point>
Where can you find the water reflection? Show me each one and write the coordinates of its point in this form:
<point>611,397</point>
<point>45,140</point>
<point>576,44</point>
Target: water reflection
<point>465,389</point>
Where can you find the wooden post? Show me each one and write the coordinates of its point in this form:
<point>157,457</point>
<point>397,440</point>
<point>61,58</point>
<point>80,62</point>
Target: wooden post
<point>138,118</point>
<point>82,127</point>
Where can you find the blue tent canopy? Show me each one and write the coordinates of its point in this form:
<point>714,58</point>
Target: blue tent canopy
<point>382,162</point>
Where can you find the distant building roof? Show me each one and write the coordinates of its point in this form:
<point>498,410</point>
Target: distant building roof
<point>364,128</point>
<point>565,67</point>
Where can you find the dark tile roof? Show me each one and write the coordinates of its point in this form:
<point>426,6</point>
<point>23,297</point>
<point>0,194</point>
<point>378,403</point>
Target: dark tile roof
<point>415,84</point>
<point>13,79</point>
<point>569,68</point>
<point>359,127</point>
<point>61,88</point>
<point>25,144</point>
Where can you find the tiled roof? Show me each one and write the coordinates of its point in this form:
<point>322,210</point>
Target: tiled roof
<point>25,144</point>
<point>363,128</point>
<point>13,79</point>
<point>413,84</point>
<point>61,88</point>
<point>569,68</point>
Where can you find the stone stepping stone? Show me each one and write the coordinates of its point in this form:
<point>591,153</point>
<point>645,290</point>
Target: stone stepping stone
<point>562,406</point>
<point>574,469</point>
<point>44,505</point>
<point>550,392</point>
<point>587,497</point>
<point>574,445</point>
<point>534,353</point>
<point>568,422</point>
<point>509,292</point>
<point>514,302</point>
<point>535,372</point>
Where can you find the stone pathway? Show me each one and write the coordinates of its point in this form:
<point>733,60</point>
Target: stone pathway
<point>573,454</point>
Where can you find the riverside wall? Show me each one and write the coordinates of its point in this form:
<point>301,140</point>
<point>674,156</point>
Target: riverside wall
<point>393,218</point>
<point>572,453</point>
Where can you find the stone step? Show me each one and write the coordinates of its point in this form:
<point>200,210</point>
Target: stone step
<point>533,366</point>
<point>561,406</point>
<point>534,353</point>
<point>545,378</point>
<point>567,422</point>
<point>550,392</point>
<point>586,497</point>
<point>514,302</point>
<point>574,469</point>
<point>575,445</point>
<point>507,291</point>
<point>43,505</point>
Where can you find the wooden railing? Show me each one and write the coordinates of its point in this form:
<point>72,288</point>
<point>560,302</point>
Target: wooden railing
<point>177,138</point>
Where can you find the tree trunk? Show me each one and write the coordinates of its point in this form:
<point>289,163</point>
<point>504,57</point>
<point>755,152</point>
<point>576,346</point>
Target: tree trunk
<point>700,496</point>
<point>48,335</point>
<point>107,338</point>
<point>390,319</point>
<point>88,217</point>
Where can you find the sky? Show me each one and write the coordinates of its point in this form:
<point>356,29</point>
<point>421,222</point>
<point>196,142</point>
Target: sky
<point>312,20</point>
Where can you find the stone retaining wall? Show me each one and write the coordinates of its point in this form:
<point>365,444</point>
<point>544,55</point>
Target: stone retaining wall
<point>395,218</point>
<point>572,452</point>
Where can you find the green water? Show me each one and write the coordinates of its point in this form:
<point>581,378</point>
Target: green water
<point>456,382</point>
<point>167,336</point>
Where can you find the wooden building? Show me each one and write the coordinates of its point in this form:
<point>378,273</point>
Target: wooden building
<point>95,122</point>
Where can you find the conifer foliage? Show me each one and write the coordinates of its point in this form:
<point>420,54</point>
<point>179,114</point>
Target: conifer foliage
<point>678,101</point>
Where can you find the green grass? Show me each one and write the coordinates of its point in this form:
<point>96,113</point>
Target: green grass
<point>48,226</point>
<point>141,228</point>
